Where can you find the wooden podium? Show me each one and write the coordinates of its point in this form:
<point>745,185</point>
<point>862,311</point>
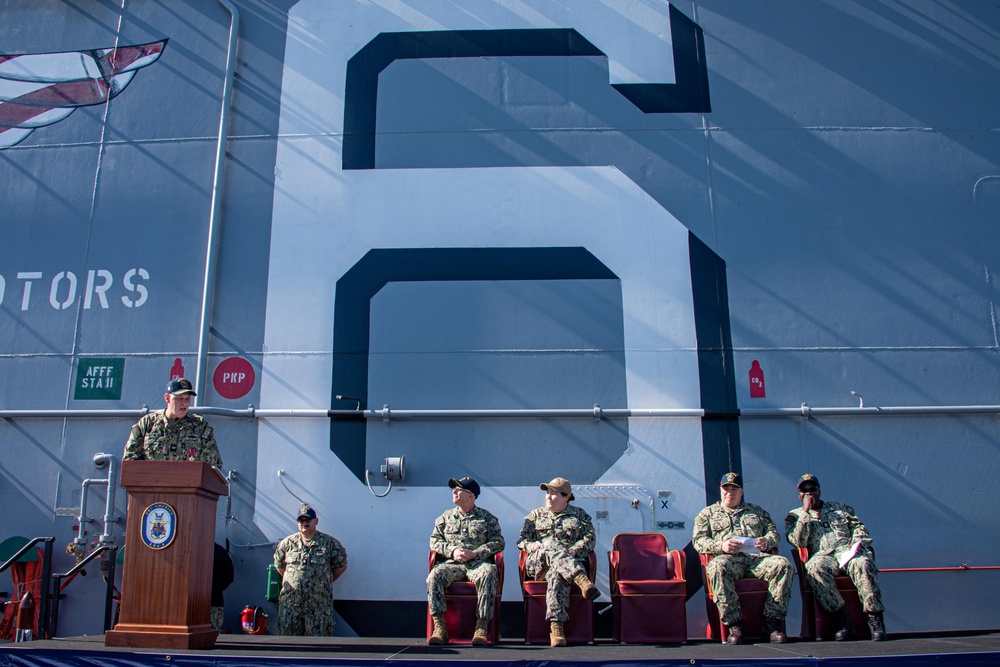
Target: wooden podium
<point>167,573</point>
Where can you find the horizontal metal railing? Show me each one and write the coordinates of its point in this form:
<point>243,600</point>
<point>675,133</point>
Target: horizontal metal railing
<point>386,413</point>
<point>957,568</point>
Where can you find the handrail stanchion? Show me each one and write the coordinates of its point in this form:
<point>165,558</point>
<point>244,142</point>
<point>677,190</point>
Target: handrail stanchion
<point>54,622</point>
<point>109,596</point>
<point>43,603</point>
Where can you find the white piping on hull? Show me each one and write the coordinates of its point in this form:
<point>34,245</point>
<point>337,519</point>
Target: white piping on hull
<point>111,482</point>
<point>804,412</point>
<point>211,249</point>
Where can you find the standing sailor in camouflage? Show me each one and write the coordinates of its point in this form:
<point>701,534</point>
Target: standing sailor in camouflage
<point>559,538</point>
<point>466,538</point>
<point>309,562</point>
<point>740,536</point>
<point>832,532</point>
<point>173,434</point>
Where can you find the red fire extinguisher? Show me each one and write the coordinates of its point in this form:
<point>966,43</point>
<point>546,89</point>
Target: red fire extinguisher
<point>254,620</point>
<point>25,618</point>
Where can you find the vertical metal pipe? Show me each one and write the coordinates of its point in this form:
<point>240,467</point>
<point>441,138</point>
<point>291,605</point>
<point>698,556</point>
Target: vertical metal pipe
<point>111,481</point>
<point>211,249</point>
<point>83,519</point>
<point>109,499</point>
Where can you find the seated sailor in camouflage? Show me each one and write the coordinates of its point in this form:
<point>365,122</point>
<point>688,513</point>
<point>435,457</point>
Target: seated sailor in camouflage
<point>466,538</point>
<point>173,434</point>
<point>831,531</point>
<point>309,562</point>
<point>717,531</point>
<point>559,538</point>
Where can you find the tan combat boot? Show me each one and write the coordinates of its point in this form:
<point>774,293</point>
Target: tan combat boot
<point>556,635</point>
<point>587,587</point>
<point>440,634</point>
<point>479,637</point>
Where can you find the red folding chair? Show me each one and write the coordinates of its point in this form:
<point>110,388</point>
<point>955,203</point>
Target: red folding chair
<point>648,590</point>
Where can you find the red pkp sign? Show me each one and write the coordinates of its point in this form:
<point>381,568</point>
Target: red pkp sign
<point>234,378</point>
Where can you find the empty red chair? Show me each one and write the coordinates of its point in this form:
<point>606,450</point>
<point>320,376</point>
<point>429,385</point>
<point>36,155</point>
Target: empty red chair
<point>460,614</point>
<point>817,623</point>
<point>752,593</point>
<point>579,628</point>
<point>648,590</point>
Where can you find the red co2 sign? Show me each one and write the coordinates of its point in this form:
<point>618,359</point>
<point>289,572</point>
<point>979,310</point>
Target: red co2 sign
<point>756,380</point>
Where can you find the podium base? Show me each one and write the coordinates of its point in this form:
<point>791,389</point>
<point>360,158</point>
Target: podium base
<point>161,636</point>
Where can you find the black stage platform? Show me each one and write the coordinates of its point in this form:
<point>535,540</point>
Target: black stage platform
<point>965,649</point>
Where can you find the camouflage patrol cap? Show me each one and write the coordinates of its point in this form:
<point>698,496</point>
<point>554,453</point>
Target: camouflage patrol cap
<point>808,477</point>
<point>180,386</point>
<point>733,478</point>
<point>307,512</point>
<point>558,485</point>
<point>466,483</point>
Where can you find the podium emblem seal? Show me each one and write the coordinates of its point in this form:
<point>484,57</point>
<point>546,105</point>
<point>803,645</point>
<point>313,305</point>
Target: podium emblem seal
<point>159,525</point>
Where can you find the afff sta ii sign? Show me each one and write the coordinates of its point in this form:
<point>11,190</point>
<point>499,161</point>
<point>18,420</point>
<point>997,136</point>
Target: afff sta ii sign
<point>99,379</point>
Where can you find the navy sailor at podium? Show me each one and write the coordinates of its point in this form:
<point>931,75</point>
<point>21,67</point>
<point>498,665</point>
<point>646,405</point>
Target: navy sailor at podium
<point>173,434</point>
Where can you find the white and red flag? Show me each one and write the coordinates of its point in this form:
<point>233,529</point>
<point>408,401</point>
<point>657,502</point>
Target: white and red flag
<point>39,89</point>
